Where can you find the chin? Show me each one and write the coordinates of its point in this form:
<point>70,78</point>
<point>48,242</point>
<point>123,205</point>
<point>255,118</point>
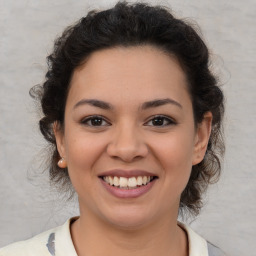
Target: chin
<point>129,223</point>
<point>128,219</point>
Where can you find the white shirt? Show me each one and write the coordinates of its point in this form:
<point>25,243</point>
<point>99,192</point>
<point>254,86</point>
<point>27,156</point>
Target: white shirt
<point>58,242</point>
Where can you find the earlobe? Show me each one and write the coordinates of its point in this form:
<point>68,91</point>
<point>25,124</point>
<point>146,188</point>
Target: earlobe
<point>202,138</point>
<point>62,163</point>
<point>59,136</point>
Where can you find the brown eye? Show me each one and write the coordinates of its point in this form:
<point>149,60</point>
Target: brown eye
<point>95,121</point>
<point>160,121</point>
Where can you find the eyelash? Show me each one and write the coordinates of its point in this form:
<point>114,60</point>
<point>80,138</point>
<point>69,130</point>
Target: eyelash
<point>91,118</point>
<point>163,118</point>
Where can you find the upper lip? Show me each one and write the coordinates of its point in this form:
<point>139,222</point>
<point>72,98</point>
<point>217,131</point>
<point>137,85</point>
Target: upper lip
<point>126,173</point>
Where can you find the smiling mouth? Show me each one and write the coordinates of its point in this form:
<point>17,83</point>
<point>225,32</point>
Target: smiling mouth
<point>128,183</point>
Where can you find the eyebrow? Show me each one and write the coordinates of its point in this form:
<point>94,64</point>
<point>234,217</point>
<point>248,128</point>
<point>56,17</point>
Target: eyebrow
<point>146,105</point>
<point>93,102</point>
<point>159,102</point>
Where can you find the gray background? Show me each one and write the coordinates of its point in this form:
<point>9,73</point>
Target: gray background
<point>29,206</point>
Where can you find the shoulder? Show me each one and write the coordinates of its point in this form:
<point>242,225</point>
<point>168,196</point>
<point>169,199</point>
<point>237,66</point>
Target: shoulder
<point>198,245</point>
<point>49,243</point>
<point>214,250</point>
<point>37,244</point>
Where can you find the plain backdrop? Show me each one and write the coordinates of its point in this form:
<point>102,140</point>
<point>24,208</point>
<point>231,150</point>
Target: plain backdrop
<point>29,206</point>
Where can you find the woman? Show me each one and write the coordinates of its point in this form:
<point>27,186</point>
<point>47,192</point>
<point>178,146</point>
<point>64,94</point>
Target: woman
<point>133,115</point>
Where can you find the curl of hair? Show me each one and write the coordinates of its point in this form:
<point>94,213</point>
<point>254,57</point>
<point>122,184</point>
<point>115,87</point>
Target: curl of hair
<point>129,25</point>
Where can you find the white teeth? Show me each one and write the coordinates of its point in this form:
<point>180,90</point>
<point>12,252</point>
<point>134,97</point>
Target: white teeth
<point>116,181</point>
<point>139,181</point>
<point>111,182</point>
<point>144,180</point>
<point>132,182</point>
<point>127,183</point>
<point>123,182</point>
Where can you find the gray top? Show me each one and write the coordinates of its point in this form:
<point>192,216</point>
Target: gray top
<point>214,250</point>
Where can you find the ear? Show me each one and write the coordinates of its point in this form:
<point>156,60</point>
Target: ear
<point>59,136</point>
<point>203,133</point>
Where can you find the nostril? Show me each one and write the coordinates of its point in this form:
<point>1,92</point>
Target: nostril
<point>127,152</point>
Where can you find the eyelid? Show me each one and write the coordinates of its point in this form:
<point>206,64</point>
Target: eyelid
<point>171,120</point>
<point>88,118</point>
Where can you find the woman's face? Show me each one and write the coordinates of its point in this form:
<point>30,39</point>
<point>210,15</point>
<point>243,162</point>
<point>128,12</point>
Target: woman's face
<point>129,136</point>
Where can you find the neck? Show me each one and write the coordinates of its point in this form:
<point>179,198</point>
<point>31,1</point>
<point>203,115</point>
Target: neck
<point>92,236</point>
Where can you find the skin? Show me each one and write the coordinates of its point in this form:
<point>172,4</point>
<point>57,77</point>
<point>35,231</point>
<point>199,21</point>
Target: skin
<point>127,138</point>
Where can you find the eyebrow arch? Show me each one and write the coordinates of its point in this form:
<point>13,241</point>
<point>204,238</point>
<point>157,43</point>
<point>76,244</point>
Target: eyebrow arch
<point>93,102</point>
<point>160,102</point>
<point>149,104</point>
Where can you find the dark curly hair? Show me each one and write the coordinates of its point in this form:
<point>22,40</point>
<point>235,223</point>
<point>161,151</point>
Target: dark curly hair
<point>135,25</point>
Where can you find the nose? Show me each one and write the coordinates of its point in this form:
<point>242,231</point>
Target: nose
<point>127,144</point>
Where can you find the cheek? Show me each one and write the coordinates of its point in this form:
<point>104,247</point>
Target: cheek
<point>175,155</point>
<point>82,154</point>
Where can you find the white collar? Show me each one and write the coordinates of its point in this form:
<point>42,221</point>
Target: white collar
<point>63,242</point>
<point>197,244</point>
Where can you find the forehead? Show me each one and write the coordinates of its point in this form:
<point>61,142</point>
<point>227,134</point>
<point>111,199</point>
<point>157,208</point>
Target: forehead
<point>129,73</point>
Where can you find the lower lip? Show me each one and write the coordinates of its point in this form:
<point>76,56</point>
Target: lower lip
<point>128,193</point>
